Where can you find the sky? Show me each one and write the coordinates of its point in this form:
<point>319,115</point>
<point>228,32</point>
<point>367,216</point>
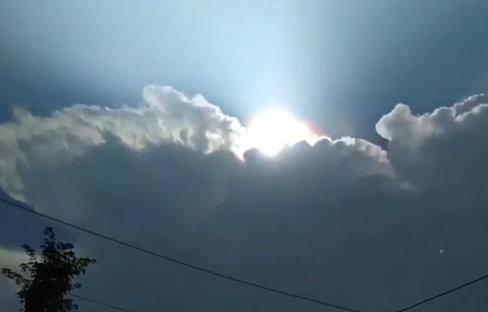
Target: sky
<point>128,118</point>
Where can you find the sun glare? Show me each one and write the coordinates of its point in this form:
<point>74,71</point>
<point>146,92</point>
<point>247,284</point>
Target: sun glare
<point>274,129</point>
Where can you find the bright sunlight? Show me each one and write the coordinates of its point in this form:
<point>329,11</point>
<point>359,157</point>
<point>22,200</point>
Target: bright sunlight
<point>273,129</point>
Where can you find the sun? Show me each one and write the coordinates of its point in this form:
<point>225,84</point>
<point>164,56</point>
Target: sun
<point>273,129</point>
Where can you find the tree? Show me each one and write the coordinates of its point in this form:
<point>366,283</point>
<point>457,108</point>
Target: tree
<point>47,278</point>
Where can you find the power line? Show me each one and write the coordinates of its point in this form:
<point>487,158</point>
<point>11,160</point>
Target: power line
<point>100,303</point>
<point>191,266</point>
<point>113,240</point>
<point>444,293</point>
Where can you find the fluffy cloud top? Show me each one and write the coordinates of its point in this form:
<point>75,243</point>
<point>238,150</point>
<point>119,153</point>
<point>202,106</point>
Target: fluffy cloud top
<point>165,115</point>
<point>343,220</point>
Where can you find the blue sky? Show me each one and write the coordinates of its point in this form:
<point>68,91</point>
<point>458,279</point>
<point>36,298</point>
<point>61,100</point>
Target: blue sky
<point>325,60</point>
<point>377,221</point>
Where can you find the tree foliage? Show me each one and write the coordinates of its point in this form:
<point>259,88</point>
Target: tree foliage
<point>47,278</point>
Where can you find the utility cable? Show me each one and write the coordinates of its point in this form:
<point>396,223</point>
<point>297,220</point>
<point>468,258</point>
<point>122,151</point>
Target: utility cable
<point>479,279</point>
<point>185,264</point>
<point>100,303</point>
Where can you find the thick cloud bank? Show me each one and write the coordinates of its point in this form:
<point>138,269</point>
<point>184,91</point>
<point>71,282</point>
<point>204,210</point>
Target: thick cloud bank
<point>342,220</point>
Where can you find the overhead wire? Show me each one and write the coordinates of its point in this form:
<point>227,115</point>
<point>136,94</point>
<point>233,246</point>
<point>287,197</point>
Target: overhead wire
<point>221,275</point>
<point>169,259</point>
<point>100,303</point>
<point>442,294</point>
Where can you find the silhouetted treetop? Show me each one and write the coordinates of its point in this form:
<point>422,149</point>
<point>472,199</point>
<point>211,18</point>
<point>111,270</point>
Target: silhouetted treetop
<point>47,278</point>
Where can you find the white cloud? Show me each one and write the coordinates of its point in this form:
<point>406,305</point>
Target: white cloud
<point>445,146</point>
<point>9,259</point>
<point>333,221</point>
<point>164,116</point>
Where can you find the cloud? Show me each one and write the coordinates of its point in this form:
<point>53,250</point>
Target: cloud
<point>9,259</point>
<point>164,116</point>
<point>438,150</point>
<point>342,220</point>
